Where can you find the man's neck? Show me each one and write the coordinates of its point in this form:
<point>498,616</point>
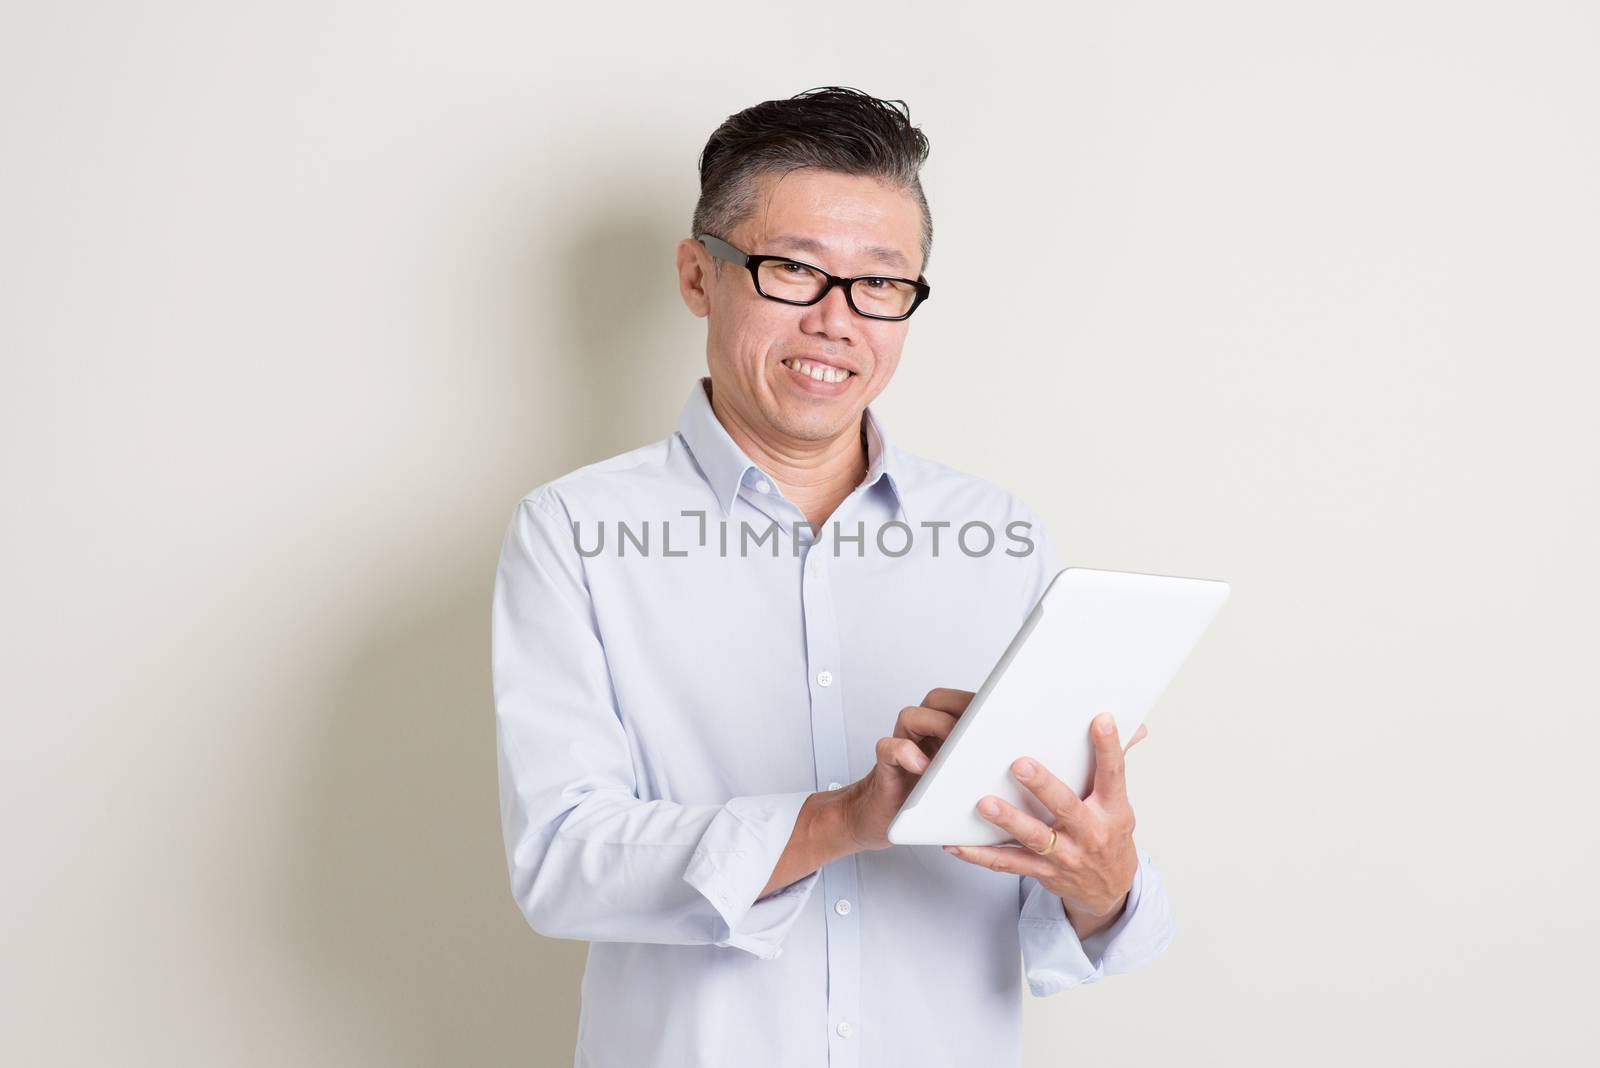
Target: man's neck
<point>815,479</point>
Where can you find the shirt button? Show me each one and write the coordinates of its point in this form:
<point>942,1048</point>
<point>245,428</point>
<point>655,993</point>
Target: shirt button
<point>834,785</point>
<point>763,486</point>
<point>824,678</point>
<point>842,907</point>
<point>845,1029</point>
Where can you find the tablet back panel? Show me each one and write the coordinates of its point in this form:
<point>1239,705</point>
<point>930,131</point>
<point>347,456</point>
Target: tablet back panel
<point>1097,641</point>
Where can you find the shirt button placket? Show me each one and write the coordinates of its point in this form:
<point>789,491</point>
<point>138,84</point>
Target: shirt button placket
<point>832,767</point>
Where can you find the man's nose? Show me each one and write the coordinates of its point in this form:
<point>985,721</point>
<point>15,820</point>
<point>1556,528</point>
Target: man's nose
<point>831,316</point>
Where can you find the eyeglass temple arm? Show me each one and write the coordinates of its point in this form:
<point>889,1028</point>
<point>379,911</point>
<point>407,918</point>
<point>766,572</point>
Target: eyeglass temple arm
<point>721,249</point>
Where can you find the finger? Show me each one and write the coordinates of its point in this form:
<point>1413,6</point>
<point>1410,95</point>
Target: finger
<point>947,700</point>
<point>919,722</point>
<point>1109,781</point>
<point>1138,735</point>
<point>1056,796</point>
<point>1015,859</point>
<point>1022,827</point>
<point>902,754</point>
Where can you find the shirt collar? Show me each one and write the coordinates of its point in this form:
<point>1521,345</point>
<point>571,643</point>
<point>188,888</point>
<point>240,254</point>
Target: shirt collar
<point>725,464</point>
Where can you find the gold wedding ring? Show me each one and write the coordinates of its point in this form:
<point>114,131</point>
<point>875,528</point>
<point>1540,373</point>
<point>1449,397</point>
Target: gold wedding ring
<point>1045,852</point>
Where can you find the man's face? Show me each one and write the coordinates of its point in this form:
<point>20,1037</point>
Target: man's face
<point>844,224</point>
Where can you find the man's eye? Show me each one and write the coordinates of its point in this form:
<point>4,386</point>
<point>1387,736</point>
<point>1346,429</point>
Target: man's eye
<point>798,269</point>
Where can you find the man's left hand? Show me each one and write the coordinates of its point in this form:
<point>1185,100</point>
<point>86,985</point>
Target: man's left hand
<point>1092,864</point>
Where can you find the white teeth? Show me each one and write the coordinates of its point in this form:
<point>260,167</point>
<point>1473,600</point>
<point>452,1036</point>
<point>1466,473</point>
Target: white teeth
<point>818,372</point>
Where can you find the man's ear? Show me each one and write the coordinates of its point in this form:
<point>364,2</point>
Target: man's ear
<point>695,276</point>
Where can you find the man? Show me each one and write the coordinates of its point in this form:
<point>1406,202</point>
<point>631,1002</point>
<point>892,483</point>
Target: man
<point>722,660</point>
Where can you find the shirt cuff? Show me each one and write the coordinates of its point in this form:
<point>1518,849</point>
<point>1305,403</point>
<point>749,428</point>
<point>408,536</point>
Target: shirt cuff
<point>734,859</point>
<point>1053,956</point>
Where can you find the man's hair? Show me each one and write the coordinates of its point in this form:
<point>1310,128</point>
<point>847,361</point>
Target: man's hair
<point>831,128</point>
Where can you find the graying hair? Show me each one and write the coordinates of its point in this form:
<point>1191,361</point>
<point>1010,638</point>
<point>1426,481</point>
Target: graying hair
<point>831,128</point>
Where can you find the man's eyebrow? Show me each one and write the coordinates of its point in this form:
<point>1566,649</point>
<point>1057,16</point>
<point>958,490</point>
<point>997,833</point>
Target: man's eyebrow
<point>880,253</point>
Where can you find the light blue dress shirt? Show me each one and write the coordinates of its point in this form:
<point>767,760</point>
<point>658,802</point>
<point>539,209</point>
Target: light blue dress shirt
<point>666,700</point>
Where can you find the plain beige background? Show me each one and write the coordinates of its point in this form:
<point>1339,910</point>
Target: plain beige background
<point>297,300</point>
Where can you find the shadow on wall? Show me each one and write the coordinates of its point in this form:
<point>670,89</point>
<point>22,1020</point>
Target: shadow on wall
<point>404,912</point>
<point>638,349</point>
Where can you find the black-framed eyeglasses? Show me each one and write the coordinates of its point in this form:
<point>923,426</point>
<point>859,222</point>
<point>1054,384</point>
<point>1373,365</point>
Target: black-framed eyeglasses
<point>792,281</point>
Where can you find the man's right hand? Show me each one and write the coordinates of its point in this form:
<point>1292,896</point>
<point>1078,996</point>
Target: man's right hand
<point>872,801</point>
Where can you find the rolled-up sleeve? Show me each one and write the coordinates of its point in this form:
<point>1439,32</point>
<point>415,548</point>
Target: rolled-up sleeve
<point>588,859</point>
<point>1054,958</point>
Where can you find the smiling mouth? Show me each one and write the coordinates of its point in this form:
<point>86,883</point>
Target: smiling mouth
<point>819,372</point>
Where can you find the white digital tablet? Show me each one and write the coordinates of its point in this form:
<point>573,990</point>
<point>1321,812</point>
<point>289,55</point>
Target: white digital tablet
<point>1097,641</point>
